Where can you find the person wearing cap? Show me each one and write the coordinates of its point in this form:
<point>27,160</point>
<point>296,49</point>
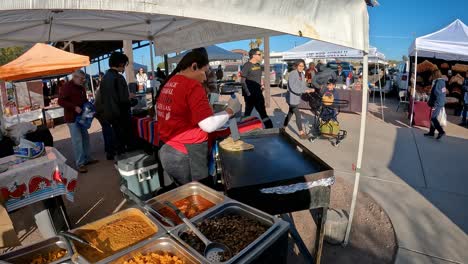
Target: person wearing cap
<point>330,88</point>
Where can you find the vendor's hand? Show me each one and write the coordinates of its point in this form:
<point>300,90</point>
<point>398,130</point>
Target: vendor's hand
<point>132,95</point>
<point>233,105</point>
<point>78,109</point>
<point>310,90</point>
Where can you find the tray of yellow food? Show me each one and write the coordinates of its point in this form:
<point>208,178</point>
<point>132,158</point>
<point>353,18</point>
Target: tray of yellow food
<point>51,251</point>
<point>163,250</point>
<point>114,234</point>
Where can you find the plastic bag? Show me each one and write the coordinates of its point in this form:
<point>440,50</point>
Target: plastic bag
<point>18,131</point>
<point>442,117</point>
<point>29,150</point>
<point>85,119</point>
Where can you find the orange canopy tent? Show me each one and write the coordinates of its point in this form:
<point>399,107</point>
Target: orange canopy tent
<point>40,61</point>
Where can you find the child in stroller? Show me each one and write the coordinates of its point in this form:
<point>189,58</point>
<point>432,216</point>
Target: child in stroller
<point>325,106</point>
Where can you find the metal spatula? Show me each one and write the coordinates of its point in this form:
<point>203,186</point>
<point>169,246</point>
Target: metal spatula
<point>214,251</point>
<point>233,125</point>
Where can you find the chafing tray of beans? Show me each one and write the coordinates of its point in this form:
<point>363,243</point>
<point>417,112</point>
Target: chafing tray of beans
<point>192,199</point>
<point>51,251</point>
<point>163,250</point>
<point>124,230</point>
<point>247,232</point>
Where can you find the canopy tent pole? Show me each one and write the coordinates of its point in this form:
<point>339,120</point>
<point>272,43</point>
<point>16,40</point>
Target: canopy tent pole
<point>414,86</point>
<point>92,84</point>
<point>166,65</point>
<point>99,65</point>
<point>266,82</point>
<point>128,50</point>
<point>373,92</point>
<point>362,134</point>
<point>153,75</point>
<point>17,103</point>
<point>380,88</point>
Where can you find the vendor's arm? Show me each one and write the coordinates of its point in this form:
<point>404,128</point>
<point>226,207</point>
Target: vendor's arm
<point>65,100</point>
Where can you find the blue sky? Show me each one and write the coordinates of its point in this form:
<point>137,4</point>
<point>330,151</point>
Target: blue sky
<point>393,26</point>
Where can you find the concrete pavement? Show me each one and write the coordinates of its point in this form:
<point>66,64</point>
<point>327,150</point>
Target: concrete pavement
<point>420,182</point>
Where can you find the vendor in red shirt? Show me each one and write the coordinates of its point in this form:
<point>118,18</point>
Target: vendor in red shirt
<point>185,118</point>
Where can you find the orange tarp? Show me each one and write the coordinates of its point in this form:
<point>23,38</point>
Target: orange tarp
<point>40,61</point>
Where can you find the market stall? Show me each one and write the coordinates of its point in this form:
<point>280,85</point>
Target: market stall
<point>316,50</point>
<point>39,183</point>
<point>201,25</point>
<point>38,62</point>
<point>447,50</point>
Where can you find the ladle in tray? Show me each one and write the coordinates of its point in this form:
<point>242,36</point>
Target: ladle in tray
<point>214,251</point>
<point>80,240</point>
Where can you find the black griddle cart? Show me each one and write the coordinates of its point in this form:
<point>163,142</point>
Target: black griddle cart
<point>279,176</point>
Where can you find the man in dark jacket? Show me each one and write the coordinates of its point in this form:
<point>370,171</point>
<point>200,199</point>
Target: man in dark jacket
<point>322,76</point>
<point>113,102</point>
<point>437,103</point>
<point>72,96</point>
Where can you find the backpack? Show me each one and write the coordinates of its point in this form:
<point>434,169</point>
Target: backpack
<point>328,98</point>
<point>329,129</point>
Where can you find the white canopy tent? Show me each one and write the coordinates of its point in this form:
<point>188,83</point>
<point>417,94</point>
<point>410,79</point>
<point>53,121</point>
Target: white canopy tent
<point>176,25</point>
<point>182,24</point>
<point>322,50</point>
<point>449,43</point>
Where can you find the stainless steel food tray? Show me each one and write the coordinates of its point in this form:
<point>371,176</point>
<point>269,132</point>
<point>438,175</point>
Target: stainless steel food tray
<point>193,188</point>
<point>234,207</point>
<point>158,245</point>
<point>22,255</point>
<point>77,258</point>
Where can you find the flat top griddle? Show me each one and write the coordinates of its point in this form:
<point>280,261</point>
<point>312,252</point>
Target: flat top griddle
<point>275,158</point>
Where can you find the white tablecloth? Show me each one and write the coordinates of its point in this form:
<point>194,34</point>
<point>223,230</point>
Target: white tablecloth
<point>30,181</point>
<point>23,117</point>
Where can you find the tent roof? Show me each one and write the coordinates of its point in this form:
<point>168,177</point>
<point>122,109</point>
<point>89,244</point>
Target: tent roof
<point>322,50</point>
<point>449,43</point>
<point>182,24</point>
<point>215,53</point>
<point>42,60</point>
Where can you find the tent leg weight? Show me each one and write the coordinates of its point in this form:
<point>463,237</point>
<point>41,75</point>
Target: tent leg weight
<point>335,227</point>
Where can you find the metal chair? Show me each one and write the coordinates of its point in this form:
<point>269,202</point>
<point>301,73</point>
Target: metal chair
<point>403,99</point>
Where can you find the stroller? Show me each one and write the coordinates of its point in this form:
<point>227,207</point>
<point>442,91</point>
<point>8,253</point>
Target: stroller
<point>325,124</point>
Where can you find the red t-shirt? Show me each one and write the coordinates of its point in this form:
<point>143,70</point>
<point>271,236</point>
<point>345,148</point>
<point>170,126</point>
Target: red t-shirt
<point>181,105</point>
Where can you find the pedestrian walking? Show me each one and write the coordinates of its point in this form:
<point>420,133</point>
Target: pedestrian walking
<point>251,79</point>
<point>72,97</point>
<point>296,87</point>
<point>465,101</point>
<point>437,102</point>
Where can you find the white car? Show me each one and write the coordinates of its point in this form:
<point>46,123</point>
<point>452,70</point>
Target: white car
<point>401,76</point>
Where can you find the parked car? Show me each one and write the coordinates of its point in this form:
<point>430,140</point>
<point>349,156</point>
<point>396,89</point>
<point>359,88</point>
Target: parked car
<point>400,77</point>
<point>278,70</point>
<point>232,72</point>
